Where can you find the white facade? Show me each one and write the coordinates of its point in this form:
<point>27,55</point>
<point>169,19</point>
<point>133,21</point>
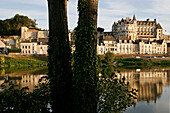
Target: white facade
<point>28,48</point>
<point>31,48</point>
<point>135,30</point>
<point>116,47</point>
<point>155,47</point>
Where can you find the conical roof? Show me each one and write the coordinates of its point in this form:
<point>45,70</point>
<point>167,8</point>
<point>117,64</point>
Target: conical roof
<point>159,26</point>
<point>134,17</point>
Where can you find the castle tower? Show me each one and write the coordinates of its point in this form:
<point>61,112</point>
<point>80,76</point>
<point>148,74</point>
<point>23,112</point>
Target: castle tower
<point>23,31</point>
<point>134,17</point>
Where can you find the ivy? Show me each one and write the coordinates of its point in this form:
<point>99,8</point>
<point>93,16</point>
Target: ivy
<point>85,82</point>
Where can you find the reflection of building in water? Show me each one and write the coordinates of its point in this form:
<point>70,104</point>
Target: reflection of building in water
<point>31,81</point>
<point>23,81</point>
<point>148,83</point>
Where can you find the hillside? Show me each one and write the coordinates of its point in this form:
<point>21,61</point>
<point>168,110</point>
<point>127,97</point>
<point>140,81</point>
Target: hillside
<point>13,25</point>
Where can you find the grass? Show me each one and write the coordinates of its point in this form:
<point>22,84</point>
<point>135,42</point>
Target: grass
<point>23,61</point>
<point>134,62</point>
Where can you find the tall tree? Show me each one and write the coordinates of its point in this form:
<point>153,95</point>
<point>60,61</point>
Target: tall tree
<point>85,78</point>
<point>59,64</point>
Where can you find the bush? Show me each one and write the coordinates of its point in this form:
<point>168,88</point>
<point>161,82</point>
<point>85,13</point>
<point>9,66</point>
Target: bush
<point>109,57</point>
<point>14,50</point>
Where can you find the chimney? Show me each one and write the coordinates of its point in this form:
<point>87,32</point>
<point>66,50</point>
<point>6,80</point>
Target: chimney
<point>148,20</point>
<point>155,20</point>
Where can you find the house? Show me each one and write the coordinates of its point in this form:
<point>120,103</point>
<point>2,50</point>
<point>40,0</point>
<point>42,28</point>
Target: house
<point>153,47</point>
<point>34,47</point>
<point>3,48</point>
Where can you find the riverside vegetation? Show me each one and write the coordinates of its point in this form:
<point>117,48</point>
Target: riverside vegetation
<point>113,93</point>
<point>6,61</point>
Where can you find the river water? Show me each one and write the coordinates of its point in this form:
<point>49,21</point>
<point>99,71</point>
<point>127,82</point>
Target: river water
<point>153,86</point>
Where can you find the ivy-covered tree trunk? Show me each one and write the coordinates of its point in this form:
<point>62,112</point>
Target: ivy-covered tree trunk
<point>59,60</point>
<point>85,78</point>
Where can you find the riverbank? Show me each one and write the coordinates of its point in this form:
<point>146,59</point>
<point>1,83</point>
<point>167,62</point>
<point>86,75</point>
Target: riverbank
<point>9,61</point>
<point>134,62</point>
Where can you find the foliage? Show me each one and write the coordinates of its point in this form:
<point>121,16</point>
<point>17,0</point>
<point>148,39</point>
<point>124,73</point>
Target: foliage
<point>13,25</point>
<point>22,61</point>
<point>25,69</point>
<point>142,62</point>
<point>109,57</point>
<point>113,92</point>
<point>2,60</point>
<point>14,50</point>
<point>20,101</point>
<point>85,79</point>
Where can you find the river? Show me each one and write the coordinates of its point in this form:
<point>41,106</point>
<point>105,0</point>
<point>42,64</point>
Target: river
<point>153,86</point>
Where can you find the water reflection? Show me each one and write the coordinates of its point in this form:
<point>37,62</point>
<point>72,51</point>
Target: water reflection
<point>151,85</point>
<point>23,79</point>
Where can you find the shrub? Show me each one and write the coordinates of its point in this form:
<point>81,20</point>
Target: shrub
<point>14,50</point>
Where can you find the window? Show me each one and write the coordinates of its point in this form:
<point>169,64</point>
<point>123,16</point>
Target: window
<point>25,51</point>
<point>26,47</point>
<point>40,47</point>
<point>22,51</point>
<point>23,47</point>
<point>29,47</point>
<point>28,51</point>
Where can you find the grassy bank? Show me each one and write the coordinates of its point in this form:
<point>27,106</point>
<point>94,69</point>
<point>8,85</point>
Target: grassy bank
<point>6,61</point>
<point>133,62</point>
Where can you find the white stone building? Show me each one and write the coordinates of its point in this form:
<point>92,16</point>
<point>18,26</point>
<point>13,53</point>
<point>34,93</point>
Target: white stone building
<point>116,46</point>
<point>153,47</point>
<point>35,47</point>
<point>134,30</point>
<point>28,34</point>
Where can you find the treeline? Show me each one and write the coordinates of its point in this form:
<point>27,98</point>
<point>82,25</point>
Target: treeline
<point>13,25</point>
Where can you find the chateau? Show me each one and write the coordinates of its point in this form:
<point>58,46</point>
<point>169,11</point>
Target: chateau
<point>134,30</point>
<point>129,36</point>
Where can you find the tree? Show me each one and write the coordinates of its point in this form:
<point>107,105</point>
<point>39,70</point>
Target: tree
<point>85,78</point>
<point>109,57</point>
<point>13,25</point>
<point>59,60</point>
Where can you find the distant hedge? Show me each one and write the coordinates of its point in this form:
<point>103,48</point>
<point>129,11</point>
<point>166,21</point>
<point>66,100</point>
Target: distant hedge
<point>14,50</point>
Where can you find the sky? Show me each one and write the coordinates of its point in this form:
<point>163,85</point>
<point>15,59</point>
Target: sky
<point>109,11</point>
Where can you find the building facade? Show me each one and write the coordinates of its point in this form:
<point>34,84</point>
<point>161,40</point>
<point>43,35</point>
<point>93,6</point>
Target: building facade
<point>28,34</point>
<point>153,47</point>
<point>34,47</point>
<point>134,30</point>
<point>121,46</point>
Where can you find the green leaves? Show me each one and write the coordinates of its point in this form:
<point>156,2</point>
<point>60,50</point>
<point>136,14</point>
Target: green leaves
<point>15,100</point>
<point>114,95</point>
<point>12,26</point>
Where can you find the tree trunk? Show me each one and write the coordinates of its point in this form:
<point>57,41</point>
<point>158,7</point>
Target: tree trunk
<point>85,78</point>
<point>59,60</point>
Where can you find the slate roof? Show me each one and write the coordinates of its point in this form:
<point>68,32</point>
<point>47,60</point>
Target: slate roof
<point>159,26</point>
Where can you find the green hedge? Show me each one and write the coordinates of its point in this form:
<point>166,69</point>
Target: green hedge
<point>14,50</point>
